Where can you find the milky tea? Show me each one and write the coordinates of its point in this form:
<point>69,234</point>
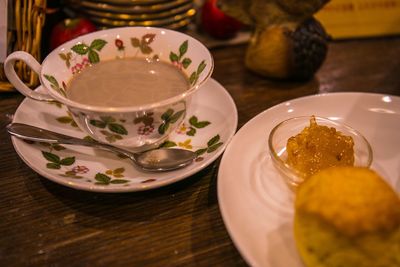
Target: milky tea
<point>127,82</point>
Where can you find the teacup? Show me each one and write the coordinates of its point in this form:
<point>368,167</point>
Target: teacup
<point>136,128</point>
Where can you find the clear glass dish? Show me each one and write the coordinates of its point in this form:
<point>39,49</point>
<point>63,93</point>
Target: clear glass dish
<point>280,134</point>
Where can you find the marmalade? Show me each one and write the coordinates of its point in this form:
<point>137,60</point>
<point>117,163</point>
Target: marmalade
<point>318,147</point>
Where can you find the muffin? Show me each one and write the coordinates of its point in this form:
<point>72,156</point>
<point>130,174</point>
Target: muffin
<point>345,217</point>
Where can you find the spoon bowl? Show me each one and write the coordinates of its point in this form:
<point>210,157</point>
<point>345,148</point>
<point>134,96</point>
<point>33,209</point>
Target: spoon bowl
<point>156,160</point>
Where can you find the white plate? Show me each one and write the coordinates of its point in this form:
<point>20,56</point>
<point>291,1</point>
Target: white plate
<point>255,203</point>
<point>211,104</point>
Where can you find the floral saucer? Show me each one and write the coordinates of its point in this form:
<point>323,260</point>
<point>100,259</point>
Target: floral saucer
<point>209,126</point>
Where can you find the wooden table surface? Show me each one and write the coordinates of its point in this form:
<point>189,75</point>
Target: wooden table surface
<point>45,224</point>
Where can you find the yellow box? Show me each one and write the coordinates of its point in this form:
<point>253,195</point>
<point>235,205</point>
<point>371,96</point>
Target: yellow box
<point>360,18</point>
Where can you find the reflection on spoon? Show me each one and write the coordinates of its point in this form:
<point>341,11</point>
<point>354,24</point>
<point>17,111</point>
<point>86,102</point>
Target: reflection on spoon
<point>156,160</point>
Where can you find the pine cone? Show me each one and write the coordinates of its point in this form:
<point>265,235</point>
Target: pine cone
<point>309,49</point>
<point>288,51</point>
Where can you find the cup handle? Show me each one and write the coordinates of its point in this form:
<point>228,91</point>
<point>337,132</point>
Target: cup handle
<point>16,81</point>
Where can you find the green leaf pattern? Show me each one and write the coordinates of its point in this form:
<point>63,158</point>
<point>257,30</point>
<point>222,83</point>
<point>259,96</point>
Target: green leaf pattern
<point>80,49</point>
<point>55,162</point>
<point>92,50</point>
<point>178,59</point>
<point>110,137</point>
<point>195,124</point>
<point>71,170</point>
<point>169,117</point>
<point>93,57</point>
<point>168,144</point>
<point>116,129</point>
<point>103,179</point>
<point>212,145</point>
<point>98,44</point>
<point>67,120</point>
<point>54,84</point>
<point>196,74</point>
<point>143,44</point>
<point>67,58</point>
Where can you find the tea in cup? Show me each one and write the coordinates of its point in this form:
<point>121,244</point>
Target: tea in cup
<point>129,87</point>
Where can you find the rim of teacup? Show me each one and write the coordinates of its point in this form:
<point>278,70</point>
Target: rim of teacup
<point>149,106</point>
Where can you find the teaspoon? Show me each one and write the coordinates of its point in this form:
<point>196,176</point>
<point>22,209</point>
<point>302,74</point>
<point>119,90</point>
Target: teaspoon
<point>156,160</point>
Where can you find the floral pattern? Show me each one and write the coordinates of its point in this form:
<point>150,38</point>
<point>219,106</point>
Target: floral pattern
<point>55,85</point>
<point>68,164</point>
<point>178,58</point>
<point>113,130</point>
<point>67,119</point>
<point>119,44</point>
<point>80,169</point>
<point>147,122</point>
<point>143,43</point>
<point>83,55</point>
<point>92,50</point>
<point>71,167</point>
<point>103,179</point>
<point>191,129</point>
<point>78,67</point>
<point>98,170</point>
<point>182,62</point>
<point>169,117</point>
<point>196,74</point>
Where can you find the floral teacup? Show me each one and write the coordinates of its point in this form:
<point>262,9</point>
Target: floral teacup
<point>136,128</point>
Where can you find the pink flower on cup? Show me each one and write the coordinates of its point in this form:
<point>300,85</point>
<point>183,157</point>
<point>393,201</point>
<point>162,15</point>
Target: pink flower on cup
<point>85,62</point>
<point>177,64</point>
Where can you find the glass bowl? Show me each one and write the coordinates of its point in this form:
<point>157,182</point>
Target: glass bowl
<point>280,134</point>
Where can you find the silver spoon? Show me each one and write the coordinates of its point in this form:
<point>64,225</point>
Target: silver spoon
<point>156,160</point>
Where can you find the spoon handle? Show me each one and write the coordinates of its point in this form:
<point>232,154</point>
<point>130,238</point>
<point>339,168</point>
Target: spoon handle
<point>32,133</point>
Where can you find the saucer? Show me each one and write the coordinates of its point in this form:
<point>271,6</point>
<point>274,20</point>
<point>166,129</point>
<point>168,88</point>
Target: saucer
<point>209,126</point>
<point>255,202</point>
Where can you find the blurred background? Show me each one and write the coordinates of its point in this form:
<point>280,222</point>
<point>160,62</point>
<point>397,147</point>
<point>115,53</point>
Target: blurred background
<point>38,26</point>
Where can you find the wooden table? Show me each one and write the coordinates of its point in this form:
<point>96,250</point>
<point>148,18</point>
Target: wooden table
<point>46,224</point>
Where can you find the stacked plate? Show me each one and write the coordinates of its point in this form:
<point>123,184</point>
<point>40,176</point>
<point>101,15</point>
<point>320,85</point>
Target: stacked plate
<point>172,14</point>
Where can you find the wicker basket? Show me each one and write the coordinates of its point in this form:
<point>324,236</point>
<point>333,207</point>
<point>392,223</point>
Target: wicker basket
<point>25,34</point>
